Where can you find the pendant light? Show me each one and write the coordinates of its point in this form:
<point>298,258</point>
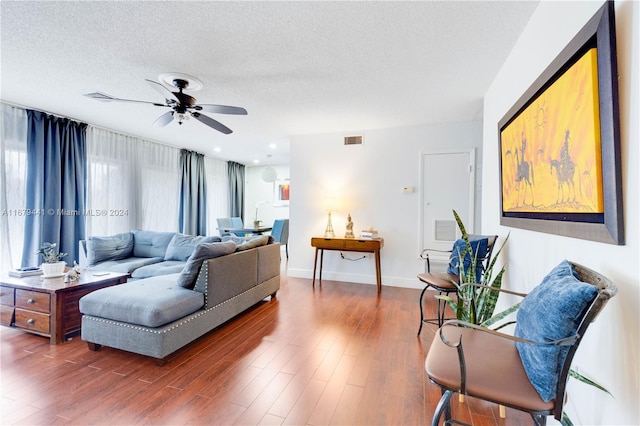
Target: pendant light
<point>269,174</point>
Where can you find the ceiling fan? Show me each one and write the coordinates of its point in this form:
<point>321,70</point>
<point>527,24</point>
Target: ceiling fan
<point>182,105</point>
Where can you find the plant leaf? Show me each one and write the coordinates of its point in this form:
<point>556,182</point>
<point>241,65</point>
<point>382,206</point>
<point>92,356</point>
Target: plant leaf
<point>499,316</point>
<point>449,301</point>
<point>565,421</point>
<point>583,379</point>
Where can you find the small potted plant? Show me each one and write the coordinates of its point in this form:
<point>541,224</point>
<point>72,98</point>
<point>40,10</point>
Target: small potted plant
<point>52,266</point>
<point>256,221</point>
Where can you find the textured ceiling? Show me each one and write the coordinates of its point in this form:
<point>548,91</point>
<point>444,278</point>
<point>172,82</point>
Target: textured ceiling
<point>297,67</point>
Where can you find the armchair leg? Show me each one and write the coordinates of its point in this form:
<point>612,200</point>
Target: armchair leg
<point>422,309</point>
<point>444,406</point>
<point>539,419</point>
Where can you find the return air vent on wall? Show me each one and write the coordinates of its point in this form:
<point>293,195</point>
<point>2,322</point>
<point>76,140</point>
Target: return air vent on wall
<point>353,140</point>
<point>445,230</point>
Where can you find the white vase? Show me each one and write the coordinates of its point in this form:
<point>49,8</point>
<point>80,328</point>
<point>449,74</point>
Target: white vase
<point>50,270</point>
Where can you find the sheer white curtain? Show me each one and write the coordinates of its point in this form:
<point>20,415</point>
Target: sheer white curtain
<point>133,184</point>
<point>217,192</point>
<point>13,176</point>
<point>111,182</point>
<point>159,186</point>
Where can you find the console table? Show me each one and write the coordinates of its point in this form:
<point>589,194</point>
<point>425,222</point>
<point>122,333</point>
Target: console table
<point>49,306</point>
<point>348,244</point>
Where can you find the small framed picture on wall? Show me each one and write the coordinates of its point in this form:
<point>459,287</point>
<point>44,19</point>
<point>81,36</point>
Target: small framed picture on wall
<point>281,192</point>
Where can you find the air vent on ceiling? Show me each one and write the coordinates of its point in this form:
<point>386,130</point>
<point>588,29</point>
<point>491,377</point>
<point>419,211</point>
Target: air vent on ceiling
<point>353,140</point>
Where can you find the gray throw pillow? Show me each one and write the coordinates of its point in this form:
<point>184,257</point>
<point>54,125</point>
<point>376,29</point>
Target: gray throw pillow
<point>115,247</point>
<point>236,239</point>
<point>181,246</point>
<point>187,278</point>
<point>261,240</point>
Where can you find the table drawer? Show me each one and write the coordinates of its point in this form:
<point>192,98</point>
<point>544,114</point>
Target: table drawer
<point>327,243</point>
<point>362,245</point>
<point>33,301</point>
<point>7,296</point>
<point>6,315</point>
<point>33,321</point>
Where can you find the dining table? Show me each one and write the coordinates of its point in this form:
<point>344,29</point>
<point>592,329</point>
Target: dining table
<point>244,231</point>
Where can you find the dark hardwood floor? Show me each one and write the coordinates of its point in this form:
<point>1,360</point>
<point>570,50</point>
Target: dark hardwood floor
<point>335,354</point>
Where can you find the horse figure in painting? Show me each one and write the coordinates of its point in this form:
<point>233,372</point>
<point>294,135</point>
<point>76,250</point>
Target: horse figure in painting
<point>525,173</point>
<point>565,171</point>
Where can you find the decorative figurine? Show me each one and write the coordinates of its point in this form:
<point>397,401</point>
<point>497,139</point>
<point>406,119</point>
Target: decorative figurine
<point>349,233</point>
<point>73,274</point>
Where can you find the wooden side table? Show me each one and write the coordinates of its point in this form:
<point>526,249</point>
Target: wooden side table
<point>49,306</point>
<point>348,244</point>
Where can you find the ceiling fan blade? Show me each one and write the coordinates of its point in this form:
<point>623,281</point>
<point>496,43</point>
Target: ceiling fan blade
<point>103,97</point>
<point>211,123</point>
<point>164,92</point>
<point>164,119</point>
<point>222,109</point>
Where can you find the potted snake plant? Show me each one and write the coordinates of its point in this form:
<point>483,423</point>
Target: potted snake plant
<point>477,304</point>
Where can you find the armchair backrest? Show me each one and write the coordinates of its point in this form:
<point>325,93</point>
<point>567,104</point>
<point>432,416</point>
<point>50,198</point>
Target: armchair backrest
<point>606,290</point>
<point>491,242</point>
<point>483,261</point>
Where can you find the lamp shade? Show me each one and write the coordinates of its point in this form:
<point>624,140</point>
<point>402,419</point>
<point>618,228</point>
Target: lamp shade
<point>269,174</point>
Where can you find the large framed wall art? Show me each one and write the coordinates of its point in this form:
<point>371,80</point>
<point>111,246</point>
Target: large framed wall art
<point>560,143</point>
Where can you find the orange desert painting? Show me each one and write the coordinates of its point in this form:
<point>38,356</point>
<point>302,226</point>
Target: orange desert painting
<point>551,152</point>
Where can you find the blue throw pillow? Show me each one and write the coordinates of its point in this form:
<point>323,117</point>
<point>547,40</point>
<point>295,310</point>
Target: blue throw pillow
<point>115,247</point>
<point>151,243</point>
<point>551,311</point>
<point>181,246</point>
<point>478,250</point>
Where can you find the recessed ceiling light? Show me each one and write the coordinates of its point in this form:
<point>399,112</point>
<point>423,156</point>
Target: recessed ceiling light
<point>217,149</point>
<point>256,161</point>
<point>272,146</point>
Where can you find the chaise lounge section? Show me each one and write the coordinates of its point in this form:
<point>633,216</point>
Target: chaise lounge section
<point>156,316</point>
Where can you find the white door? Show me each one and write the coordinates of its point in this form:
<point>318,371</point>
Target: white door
<point>447,184</point>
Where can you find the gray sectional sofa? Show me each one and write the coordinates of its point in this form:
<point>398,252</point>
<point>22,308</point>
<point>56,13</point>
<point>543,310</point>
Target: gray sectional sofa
<point>158,315</point>
<point>141,254</point>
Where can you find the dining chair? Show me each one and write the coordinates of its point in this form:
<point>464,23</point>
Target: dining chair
<point>224,223</point>
<point>280,233</point>
<point>236,223</point>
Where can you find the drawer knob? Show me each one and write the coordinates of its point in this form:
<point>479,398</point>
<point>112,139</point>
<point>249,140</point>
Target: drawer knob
<point>31,300</point>
<point>31,321</point>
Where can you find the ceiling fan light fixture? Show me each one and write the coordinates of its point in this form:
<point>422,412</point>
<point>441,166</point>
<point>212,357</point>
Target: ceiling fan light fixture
<point>181,104</point>
<point>181,117</point>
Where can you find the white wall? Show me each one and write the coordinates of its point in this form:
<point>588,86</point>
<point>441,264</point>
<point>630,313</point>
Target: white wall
<point>260,192</point>
<point>610,351</point>
<point>367,180</point>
